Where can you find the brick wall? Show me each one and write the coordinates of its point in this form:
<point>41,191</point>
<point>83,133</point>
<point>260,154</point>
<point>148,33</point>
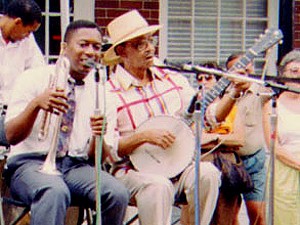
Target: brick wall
<point>107,10</point>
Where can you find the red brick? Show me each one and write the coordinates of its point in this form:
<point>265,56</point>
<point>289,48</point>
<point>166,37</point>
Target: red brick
<point>131,4</point>
<point>145,13</point>
<point>297,27</point>
<point>153,22</point>
<point>106,4</point>
<point>154,14</point>
<point>102,21</point>
<point>99,12</point>
<point>297,35</point>
<point>113,13</point>
<point>151,5</point>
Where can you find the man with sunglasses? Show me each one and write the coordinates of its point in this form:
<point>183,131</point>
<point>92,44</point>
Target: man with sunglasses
<point>143,92</point>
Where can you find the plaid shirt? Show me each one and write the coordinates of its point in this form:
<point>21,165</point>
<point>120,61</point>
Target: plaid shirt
<point>168,93</point>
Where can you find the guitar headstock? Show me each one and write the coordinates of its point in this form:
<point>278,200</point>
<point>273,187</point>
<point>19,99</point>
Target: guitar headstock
<point>271,37</point>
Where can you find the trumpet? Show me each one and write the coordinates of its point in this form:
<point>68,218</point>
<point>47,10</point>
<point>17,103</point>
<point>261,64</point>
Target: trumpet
<point>60,78</point>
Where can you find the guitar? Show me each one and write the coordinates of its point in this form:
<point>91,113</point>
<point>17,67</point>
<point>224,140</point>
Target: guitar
<point>268,39</point>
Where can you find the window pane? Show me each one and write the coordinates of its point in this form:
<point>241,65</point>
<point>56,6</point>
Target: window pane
<point>180,8</point>
<point>231,8</point>
<point>54,38</point>
<point>256,8</point>
<point>55,6</point>
<point>179,40</point>
<point>205,40</point>
<point>215,29</point>
<point>206,8</point>
<point>231,37</point>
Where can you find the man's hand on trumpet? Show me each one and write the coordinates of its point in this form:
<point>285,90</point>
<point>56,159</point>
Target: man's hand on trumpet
<point>53,101</point>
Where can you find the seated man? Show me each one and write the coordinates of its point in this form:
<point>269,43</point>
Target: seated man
<point>145,92</point>
<point>49,195</point>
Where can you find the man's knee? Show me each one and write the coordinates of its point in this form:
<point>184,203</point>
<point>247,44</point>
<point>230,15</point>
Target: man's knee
<point>55,194</point>
<point>121,194</point>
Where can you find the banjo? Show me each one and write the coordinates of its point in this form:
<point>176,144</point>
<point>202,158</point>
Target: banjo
<point>168,162</point>
<point>172,161</point>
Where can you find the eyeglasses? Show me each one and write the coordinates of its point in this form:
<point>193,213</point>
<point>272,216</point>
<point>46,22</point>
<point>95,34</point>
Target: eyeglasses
<point>292,71</point>
<point>142,44</point>
<point>206,77</point>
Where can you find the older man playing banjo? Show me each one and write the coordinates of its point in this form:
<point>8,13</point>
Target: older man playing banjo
<point>156,147</point>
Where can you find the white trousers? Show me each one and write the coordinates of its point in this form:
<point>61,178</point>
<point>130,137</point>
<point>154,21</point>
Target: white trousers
<point>154,194</point>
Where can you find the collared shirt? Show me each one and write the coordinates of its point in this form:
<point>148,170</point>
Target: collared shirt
<point>168,93</point>
<point>32,83</point>
<point>250,107</point>
<point>14,59</point>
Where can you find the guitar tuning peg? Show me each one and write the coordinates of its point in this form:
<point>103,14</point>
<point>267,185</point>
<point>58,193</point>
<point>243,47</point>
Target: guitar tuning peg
<point>261,36</point>
<point>267,30</point>
<point>277,33</point>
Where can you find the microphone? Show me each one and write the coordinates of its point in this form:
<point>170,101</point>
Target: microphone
<point>177,66</point>
<point>189,113</point>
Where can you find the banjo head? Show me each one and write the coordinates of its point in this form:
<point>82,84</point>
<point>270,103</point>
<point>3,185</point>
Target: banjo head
<point>168,162</point>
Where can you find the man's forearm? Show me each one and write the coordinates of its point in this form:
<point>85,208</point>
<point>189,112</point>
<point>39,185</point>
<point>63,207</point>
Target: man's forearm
<point>18,128</point>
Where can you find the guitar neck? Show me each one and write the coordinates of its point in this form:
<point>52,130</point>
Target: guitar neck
<point>216,90</point>
<point>223,83</point>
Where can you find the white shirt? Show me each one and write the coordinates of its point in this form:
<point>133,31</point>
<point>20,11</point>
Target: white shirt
<point>14,59</point>
<point>288,130</point>
<point>32,83</point>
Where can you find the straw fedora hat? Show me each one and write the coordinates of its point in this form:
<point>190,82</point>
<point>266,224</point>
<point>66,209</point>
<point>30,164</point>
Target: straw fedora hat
<point>124,28</point>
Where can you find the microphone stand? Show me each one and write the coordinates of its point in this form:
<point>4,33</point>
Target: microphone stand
<point>198,118</point>
<point>98,138</point>
<point>273,134</point>
<point>276,91</point>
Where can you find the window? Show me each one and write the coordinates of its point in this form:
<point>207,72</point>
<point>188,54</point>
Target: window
<point>48,36</point>
<point>199,30</point>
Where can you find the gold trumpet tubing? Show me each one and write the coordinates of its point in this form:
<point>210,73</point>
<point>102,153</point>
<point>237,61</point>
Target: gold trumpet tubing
<point>49,166</point>
<point>62,70</point>
<point>44,127</point>
<point>61,78</point>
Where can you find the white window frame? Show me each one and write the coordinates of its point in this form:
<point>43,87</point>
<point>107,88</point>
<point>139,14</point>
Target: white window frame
<point>83,9</point>
<point>271,19</point>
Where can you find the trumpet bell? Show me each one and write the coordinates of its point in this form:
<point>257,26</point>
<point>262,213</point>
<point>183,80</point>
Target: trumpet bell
<point>50,170</point>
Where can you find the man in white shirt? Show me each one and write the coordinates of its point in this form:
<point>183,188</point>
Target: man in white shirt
<point>18,49</point>
<point>50,195</point>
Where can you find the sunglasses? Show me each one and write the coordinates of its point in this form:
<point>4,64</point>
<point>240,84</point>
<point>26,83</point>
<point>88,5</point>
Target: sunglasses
<point>206,77</point>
